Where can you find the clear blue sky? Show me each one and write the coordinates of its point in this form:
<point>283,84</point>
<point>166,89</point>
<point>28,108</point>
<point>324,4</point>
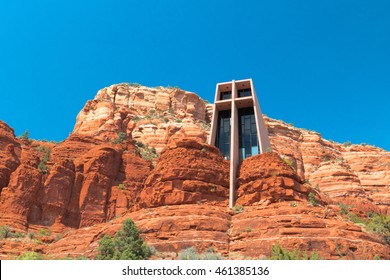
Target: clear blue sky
<point>322,65</point>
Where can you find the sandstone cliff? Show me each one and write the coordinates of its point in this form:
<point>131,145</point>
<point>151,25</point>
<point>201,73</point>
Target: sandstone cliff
<point>140,152</point>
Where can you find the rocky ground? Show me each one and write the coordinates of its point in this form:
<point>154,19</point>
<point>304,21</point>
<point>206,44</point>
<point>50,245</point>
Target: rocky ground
<point>140,153</point>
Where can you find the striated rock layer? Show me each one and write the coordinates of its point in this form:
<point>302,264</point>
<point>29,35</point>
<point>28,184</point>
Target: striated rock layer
<point>342,171</point>
<point>140,153</point>
<point>149,115</point>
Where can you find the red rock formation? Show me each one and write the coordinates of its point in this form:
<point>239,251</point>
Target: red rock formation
<point>18,201</point>
<point>167,228</point>
<point>187,172</point>
<point>76,191</point>
<point>266,178</point>
<point>149,115</point>
<point>9,154</point>
<point>348,172</point>
<point>298,226</point>
<point>287,217</point>
<point>180,199</point>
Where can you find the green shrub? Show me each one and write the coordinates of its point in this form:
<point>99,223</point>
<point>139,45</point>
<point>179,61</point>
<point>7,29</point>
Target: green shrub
<point>179,121</point>
<point>136,118</point>
<point>126,245</point>
<point>203,150</point>
<point>312,199</point>
<point>238,209</point>
<point>139,144</point>
<point>152,111</point>
<point>43,232</point>
<point>166,120</point>
<point>46,157</point>
<point>40,149</point>
<point>25,135</point>
<point>278,253</point>
<point>31,235</point>
<point>121,137</point>
<point>81,258</point>
<point>376,257</point>
<point>122,187</point>
<point>344,209</point>
<point>248,229</point>
<point>325,159</point>
<point>347,144</point>
<point>380,224</point>
<point>30,256</point>
<point>42,167</point>
<point>18,235</point>
<point>211,256</point>
<point>288,162</point>
<point>106,248</point>
<point>58,237</point>
<point>147,153</point>
<point>355,219</point>
<point>189,254</point>
<point>5,232</point>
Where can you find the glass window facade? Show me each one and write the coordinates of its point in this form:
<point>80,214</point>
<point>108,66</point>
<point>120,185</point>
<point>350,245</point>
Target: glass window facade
<point>244,92</point>
<point>226,95</point>
<point>223,133</point>
<point>247,133</point>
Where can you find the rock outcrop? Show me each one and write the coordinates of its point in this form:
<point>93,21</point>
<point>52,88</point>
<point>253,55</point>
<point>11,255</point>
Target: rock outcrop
<point>149,115</point>
<point>188,172</point>
<point>339,170</point>
<point>266,178</point>
<point>297,225</point>
<point>9,154</point>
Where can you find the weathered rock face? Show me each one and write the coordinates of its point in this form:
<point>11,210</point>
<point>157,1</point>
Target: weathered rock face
<point>266,178</point>
<point>9,154</point>
<point>169,229</point>
<point>149,115</point>
<point>372,166</point>
<point>97,178</point>
<point>187,172</point>
<point>342,171</point>
<point>80,187</point>
<point>18,201</point>
<point>306,228</point>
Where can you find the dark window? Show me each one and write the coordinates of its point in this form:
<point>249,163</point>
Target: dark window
<point>244,92</point>
<point>226,95</point>
<point>247,133</point>
<point>223,133</point>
